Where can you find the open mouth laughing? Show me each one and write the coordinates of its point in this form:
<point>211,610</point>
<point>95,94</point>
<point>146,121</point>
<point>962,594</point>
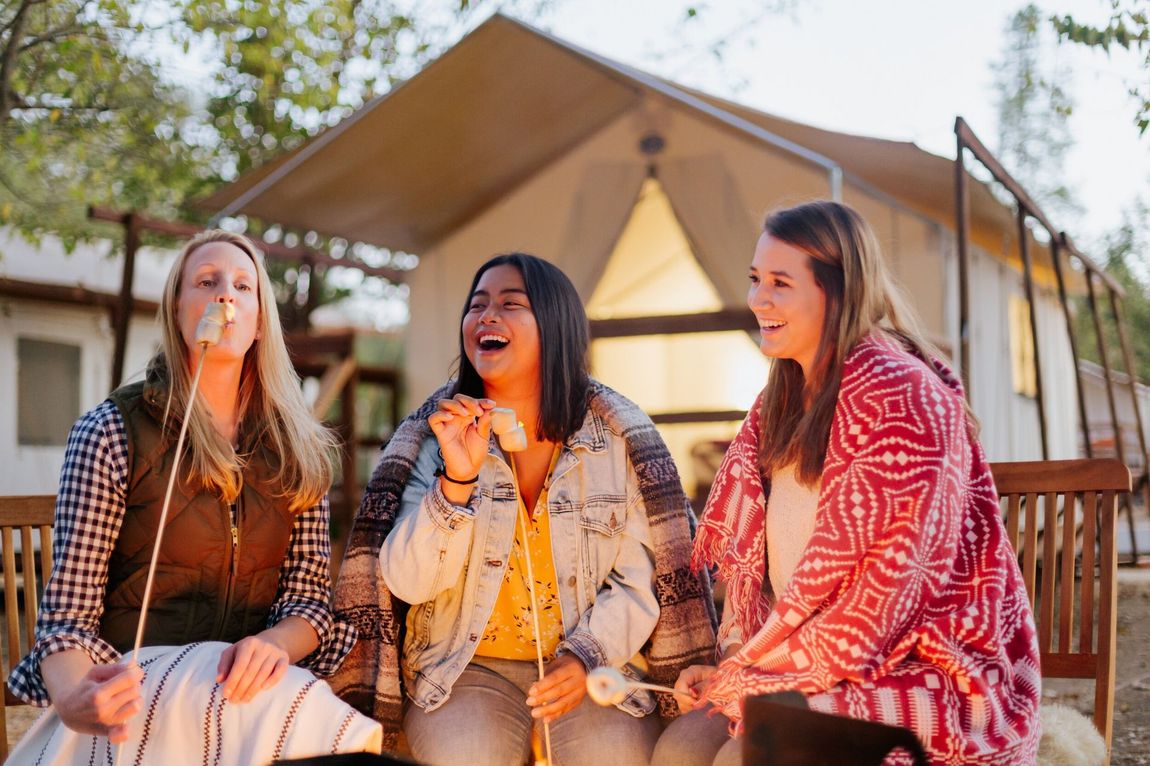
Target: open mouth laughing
<point>489,341</point>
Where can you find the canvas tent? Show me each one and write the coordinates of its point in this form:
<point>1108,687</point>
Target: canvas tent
<point>650,197</point>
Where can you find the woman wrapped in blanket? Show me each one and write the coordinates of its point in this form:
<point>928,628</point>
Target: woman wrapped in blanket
<point>243,565</point>
<point>888,590</point>
<point>592,506</point>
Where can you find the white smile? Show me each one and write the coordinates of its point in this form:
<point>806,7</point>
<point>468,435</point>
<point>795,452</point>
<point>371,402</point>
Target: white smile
<point>490,341</point>
<point>771,324</point>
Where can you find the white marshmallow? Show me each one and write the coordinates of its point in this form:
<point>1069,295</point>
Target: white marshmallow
<point>606,686</point>
<point>514,440</point>
<point>216,318</point>
<point>503,420</point>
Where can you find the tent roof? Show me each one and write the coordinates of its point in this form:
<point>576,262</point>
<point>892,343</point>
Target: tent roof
<point>415,164</point>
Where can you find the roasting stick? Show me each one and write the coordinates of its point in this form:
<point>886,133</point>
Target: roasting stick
<point>216,318</point>
<point>513,439</point>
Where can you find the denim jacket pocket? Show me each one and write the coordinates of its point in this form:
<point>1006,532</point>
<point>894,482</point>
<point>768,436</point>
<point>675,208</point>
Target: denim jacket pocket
<point>601,520</point>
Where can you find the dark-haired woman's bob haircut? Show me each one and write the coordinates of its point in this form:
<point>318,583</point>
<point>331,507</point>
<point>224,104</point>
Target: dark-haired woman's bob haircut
<point>564,337</point>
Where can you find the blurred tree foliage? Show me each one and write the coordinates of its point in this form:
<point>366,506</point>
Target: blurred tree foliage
<point>87,115</point>
<point>1033,115</point>
<point>83,119</point>
<point>1127,259</point>
<point>1128,27</point>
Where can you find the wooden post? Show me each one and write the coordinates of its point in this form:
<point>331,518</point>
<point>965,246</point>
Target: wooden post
<point>1056,247</point>
<point>1132,377</point>
<point>1028,286</point>
<point>1119,448</point>
<point>122,315</point>
<point>962,230</point>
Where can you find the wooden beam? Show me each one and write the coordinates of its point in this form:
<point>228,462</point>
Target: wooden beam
<point>72,295</point>
<point>675,324</point>
<point>274,250</point>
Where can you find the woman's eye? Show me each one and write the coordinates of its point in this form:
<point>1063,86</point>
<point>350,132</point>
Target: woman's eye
<point>205,282</point>
<point>781,283</point>
<point>476,307</point>
<point>754,279</point>
<point>244,287</point>
<point>512,305</point>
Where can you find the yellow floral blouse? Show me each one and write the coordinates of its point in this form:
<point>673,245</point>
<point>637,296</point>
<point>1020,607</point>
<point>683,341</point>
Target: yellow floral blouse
<point>510,634</point>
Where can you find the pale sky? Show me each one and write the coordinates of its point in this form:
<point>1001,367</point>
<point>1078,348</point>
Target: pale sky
<point>897,69</point>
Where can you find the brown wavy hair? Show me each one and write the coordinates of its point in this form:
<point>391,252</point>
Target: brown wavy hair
<point>861,299</point>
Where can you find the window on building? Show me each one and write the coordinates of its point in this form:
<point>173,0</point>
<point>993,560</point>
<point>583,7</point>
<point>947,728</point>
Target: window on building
<point>48,391</point>
<point>1022,369</point>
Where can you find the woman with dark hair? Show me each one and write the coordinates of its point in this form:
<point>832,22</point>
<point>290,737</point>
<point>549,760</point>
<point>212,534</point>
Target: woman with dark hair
<point>855,522</point>
<point>592,507</point>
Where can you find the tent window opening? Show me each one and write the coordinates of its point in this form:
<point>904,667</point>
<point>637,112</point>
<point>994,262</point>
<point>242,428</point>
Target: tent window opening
<point>47,390</point>
<point>1023,374</point>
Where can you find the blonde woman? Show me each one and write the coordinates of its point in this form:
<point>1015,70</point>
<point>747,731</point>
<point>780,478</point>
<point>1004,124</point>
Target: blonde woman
<point>855,522</point>
<point>242,585</point>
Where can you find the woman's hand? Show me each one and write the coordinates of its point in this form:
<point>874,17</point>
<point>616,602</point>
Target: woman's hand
<point>250,666</point>
<point>462,426</point>
<point>103,701</point>
<point>561,689</point>
<point>687,687</point>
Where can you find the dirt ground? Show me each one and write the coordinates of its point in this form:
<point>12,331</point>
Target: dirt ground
<point>1132,689</point>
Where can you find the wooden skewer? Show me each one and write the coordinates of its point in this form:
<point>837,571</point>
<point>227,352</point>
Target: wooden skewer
<point>167,502</point>
<point>522,514</point>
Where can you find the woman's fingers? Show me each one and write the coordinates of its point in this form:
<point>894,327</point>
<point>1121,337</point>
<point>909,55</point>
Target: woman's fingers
<point>560,690</point>
<point>257,665</point>
<point>686,693</point>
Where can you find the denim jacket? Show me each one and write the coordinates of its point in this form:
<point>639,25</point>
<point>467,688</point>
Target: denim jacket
<point>448,561</point>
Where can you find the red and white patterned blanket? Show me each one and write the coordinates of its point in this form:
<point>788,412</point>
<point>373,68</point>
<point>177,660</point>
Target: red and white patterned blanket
<point>907,606</point>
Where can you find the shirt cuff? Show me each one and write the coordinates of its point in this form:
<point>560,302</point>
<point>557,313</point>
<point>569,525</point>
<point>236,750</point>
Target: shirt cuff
<point>336,638</point>
<point>584,646</point>
<point>445,515</point>
<point>26,680</point>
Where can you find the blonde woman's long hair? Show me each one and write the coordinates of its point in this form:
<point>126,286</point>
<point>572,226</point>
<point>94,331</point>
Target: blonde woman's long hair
<point>272,413</point>
<point>861,299</point>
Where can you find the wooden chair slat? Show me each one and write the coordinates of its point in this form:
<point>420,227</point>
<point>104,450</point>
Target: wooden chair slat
<point>1093,485</point>
<point>1046,597</point>
<point>1066,580</point>
<point>1089,540</point>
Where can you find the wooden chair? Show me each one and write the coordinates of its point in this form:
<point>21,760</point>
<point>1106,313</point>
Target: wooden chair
<point>1061,515</point>
<point>22,516</point>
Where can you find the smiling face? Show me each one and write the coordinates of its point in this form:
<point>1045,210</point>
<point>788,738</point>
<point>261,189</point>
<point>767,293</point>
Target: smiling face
<point>219,272</point>
<point>787,302</point>
<point>500,334</point>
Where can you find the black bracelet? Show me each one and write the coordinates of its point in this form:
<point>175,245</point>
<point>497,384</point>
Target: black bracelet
<point>443,472</point>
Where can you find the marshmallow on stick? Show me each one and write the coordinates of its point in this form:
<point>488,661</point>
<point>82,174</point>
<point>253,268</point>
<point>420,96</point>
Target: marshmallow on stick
<point>512,437</point>
<point>607,686</point>
<point>216,318</point>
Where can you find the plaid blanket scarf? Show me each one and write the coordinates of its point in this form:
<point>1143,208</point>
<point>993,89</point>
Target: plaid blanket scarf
<point>369,678</point>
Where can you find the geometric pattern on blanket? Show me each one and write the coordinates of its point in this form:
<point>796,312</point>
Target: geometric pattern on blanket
<point>185,719</point>
<point>907,606</point>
